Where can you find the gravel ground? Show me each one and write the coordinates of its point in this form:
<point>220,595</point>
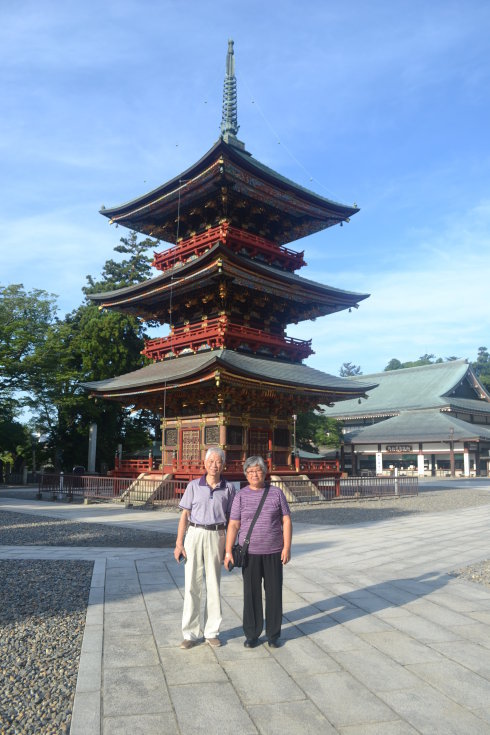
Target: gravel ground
<point>42,618</point>
<point>44,603</point>
<point>20,529</point>
<point>343,512</point>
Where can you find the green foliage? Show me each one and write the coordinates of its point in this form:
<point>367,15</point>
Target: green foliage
<point>44,360</point>
<point>119,274</point>
<point>348,369</point>
<point>14,439</point>
<point>24,320</point>
<point>395,364</point>
<point>481,367</point>
<point>314,430</point>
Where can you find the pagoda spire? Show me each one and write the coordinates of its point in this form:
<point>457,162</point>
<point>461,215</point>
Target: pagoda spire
<point>229,119</point>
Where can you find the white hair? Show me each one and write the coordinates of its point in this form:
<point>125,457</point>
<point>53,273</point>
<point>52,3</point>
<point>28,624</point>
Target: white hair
<point>254,461</point>
<point>215,450</point>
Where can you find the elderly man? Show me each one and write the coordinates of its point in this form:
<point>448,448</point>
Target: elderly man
<point>206,505</point>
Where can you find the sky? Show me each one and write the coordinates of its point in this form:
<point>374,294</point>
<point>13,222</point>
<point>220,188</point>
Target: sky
<point>379,103</point>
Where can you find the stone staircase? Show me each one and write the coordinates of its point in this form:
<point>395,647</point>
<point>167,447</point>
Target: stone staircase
<point>297,488</point>
<point>143,490</point>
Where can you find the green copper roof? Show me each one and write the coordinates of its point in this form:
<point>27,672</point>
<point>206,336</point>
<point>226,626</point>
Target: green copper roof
<point>419,426</point>
<point>429,386</point>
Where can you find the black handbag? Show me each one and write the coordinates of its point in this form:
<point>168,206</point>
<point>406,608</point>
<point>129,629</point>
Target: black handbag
<point>239,552</point>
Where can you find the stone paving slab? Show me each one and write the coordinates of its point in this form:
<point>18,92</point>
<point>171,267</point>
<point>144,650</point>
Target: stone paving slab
<point>379,637</point>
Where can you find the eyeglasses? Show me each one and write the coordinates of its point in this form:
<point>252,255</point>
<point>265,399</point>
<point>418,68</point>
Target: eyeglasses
<point>254,472</point>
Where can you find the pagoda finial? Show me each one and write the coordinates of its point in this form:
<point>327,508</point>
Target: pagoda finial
<point>229,120</point>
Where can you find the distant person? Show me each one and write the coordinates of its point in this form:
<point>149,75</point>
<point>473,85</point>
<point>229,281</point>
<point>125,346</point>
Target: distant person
<point>269,550</point>
<point>206,505</point>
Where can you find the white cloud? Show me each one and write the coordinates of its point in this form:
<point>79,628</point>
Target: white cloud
<point>438,304</point>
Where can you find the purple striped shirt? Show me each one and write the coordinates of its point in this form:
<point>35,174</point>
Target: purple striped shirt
<point>267,537</point>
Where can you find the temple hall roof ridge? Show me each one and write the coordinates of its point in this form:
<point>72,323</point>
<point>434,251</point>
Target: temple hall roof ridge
<point>437,386</point>
<point>419,425</point>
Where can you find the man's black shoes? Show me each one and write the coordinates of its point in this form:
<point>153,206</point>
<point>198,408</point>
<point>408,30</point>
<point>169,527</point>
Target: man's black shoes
<point>274,643</point>
<point>251,643</point>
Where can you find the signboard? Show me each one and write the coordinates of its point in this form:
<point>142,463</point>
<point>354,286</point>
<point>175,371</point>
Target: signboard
<point>393,448</point>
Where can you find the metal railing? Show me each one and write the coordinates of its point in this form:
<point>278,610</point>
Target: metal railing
<point>163,491</point>
<point>357,488</point>
<point>144,491</point>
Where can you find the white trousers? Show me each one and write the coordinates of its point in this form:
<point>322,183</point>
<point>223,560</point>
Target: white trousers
<point>205,553</point>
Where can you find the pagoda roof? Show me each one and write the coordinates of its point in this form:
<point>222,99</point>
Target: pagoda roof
<point>207,365</point>
<point>228,183</point>
<point>449,385</point>
<point>148,296</point>
<point>419,426</point>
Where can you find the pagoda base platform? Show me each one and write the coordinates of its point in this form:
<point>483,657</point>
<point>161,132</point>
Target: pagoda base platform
<point>313,469</point>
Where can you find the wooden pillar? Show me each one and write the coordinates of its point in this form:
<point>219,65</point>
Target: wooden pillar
<point>353,460</point>
<point>451,452</point>
<point>342,457</point>
<point>420,461</point>
<point>466,461</point>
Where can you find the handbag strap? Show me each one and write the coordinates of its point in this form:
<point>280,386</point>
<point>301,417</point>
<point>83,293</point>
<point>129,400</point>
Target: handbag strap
<point>257,513</point>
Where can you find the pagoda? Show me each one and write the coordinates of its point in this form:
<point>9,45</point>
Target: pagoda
<point>227,374</point>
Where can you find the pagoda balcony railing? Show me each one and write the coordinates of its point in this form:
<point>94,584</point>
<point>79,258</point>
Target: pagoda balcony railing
<point>220,332</point>
<point>237,240</point>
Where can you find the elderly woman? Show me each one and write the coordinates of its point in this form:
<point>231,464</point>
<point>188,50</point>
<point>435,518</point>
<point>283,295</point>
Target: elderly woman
<point>269,549</point>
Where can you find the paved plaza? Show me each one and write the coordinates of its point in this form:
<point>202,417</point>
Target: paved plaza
<point>379,637</point>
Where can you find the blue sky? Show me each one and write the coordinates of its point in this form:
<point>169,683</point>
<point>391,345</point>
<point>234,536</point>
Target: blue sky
<point>380,103</point>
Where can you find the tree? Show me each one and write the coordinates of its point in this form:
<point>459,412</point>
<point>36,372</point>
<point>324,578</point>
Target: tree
<point>48,359</point>
<point>128,272</point>
<point>481,367</point>
<point>395,364</point>
<point>13,441</point>
<point>348,369</point>
<point>24,320</point>
<point>314,430</point>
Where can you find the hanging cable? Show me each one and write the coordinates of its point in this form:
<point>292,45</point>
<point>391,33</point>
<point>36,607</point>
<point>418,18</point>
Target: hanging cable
<point>177,235</point>
<point>280,142</point>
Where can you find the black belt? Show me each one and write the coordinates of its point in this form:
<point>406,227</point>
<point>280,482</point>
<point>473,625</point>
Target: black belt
<point>211,527</point>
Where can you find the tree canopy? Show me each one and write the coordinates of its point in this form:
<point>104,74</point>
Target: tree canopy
<point>348,369</point>
<point>44,360</point>
<point>481,366</point>
<point>315,430</point>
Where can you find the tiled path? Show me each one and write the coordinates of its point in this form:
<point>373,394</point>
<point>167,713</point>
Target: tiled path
<point>378,637</point>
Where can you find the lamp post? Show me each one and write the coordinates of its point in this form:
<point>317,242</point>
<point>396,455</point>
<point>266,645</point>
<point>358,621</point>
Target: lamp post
<point>295,458</point>
<point>35,437</point>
